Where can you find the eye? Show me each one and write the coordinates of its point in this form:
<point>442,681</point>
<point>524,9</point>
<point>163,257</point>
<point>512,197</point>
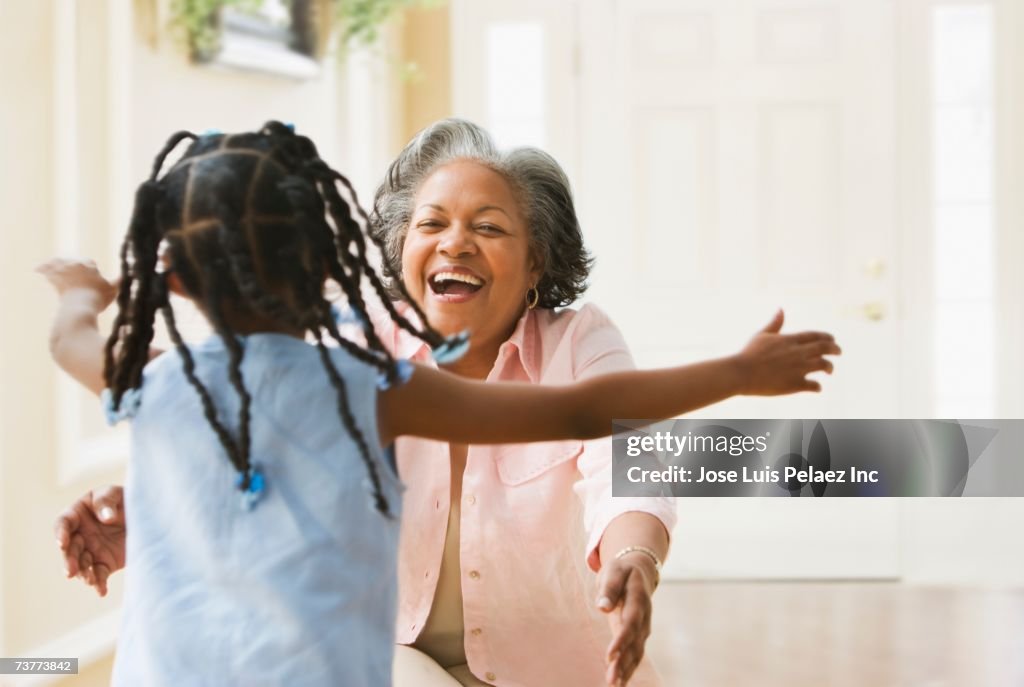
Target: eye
<point>429,225</point>
<point>490,229</point>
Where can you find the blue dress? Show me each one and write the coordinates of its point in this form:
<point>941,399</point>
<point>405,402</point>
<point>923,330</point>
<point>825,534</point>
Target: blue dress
<point>301,590</point>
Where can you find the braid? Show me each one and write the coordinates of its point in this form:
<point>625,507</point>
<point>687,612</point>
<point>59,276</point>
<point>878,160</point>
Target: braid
<point>124,297</point>
<point>171,144</point>
<point>343,219</point>
<point>300,150</point>
<point>133,326</point>
<point>349,282</point>
<point>132,331</point>
<point>189,366</point>
<point>236,353</point>
<point>379,243</point>
<point>380,502</point>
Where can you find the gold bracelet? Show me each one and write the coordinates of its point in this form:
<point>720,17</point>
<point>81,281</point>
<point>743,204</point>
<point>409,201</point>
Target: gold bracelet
<point>649,553</point>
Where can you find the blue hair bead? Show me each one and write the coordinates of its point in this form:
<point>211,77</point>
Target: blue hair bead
<point>256,489</point>
<point>257,483</point>
<point>346,316</point>
<point>290,126</point>
<point>212,132</point>
<point>404,369</point>
<point>131,399</point>
<point>452,348</point>
<point>403,372</point>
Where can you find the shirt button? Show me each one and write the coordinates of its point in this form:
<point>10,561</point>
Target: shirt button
<point>475,631</point>
<point>474,575</point>
<point>491,676</point>
<point>471,499</point>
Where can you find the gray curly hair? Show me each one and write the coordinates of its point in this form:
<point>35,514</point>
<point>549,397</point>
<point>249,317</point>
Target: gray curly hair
<point>535,176</point>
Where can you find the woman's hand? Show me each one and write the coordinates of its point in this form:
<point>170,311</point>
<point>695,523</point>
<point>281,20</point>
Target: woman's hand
<point>775,363</point>
<point>79,275</point>
<point>624,593</point>
<point>91,535</point>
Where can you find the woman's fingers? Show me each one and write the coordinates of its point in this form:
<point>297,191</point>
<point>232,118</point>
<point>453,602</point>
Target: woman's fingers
<point>612,584</point>
<point>632,628</point>
<point>611,673</point>
<point>85,567</point>
<point>636,620</point>
<point>63,526</point>
<point>73,555</point>
<point>101,572</point>
<point>106,504</point>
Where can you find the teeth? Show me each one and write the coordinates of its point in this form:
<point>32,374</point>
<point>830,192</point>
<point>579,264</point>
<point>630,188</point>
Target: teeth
<point>453,276</point>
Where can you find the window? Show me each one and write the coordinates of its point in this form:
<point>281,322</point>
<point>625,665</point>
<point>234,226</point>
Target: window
<point>963,202</point>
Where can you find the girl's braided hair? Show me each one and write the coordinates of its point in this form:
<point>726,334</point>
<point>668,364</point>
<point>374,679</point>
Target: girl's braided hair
<point>254,222</point>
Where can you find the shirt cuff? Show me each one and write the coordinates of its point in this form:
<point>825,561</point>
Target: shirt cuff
<point>663,509</point>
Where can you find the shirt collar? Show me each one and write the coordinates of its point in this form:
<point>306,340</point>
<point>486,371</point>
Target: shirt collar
<point>521,346</point>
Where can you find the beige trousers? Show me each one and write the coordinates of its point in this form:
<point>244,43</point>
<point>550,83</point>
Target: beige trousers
<point>413,668</point>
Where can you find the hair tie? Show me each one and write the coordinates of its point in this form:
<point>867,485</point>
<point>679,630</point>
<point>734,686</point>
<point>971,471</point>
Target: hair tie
<point>131,399</point>
<point>347,316</point>
<point>401,373</point>
<point>212,132</point>
<point>256,489</point>
<point>452,348</point>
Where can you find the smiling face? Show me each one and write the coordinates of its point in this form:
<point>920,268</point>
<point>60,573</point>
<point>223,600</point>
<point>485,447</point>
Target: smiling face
<point>466,258</point>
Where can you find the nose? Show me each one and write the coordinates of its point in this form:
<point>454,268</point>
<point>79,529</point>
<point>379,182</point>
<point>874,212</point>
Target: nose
<point>456,241</point>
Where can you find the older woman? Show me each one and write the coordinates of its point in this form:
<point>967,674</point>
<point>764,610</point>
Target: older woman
<point>499,551</point>
<point>517,567</point>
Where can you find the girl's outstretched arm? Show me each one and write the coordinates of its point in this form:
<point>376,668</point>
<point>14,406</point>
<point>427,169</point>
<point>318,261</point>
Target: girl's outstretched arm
<point>75,340</point>
<point>438,405</point>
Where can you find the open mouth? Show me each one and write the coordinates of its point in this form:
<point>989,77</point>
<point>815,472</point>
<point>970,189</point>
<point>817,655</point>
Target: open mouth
<point>455,284</point>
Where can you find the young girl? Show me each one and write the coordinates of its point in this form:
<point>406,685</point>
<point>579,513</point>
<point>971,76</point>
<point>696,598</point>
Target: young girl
<point>292,578</point>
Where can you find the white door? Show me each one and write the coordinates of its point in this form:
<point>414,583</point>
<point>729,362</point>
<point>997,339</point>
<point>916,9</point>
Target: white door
<point>732,157</point>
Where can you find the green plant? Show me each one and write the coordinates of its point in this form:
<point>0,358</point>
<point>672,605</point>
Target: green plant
<point>199,21</point>
<point>360,20</point>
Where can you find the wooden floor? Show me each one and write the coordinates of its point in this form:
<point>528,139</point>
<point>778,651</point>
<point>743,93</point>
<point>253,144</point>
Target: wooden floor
<point>799,634</point>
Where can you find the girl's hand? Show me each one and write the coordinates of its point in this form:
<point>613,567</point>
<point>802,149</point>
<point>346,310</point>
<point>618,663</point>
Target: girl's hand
<point>78,275</point>
<point>775,364</point>
<point>91,535</point>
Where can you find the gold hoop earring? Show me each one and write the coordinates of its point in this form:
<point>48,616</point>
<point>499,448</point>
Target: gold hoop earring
<point>532,297</point>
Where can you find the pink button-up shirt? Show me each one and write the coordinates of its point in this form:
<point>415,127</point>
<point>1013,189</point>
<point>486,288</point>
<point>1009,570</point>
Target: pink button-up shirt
<point>532,519</point>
